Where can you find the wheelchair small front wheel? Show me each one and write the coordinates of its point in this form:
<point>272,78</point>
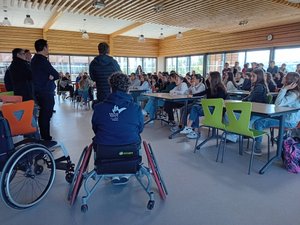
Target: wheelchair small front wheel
<point>84,208</point>
<point>150,204</point>
<point>69,177</point>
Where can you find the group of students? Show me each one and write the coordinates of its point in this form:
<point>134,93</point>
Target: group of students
<point>215,87</point>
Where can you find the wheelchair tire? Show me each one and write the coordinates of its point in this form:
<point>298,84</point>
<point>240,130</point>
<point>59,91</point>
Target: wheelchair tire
<point>27,176</point>
<point>78,175</point>
<point>155,172</point>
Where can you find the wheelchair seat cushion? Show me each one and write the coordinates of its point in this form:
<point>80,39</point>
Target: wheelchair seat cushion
<point>117,159</point>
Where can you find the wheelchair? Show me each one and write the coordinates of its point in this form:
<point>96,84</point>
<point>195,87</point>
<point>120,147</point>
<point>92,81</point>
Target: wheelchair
<point>28,167</point>
<point>111,161</point>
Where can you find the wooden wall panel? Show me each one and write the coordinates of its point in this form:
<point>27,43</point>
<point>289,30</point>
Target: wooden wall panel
<point>197,42</point>
<point>68,42</point>
<point>16,37</point>
<point>129,46</point>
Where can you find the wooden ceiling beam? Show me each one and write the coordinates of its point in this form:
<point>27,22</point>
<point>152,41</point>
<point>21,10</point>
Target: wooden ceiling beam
<point>61,7</point>
<point>34,3</point>
<point>79,8</point>
<point>109,5</point>
<point>125,29</point>
<point>41,4</point>
<point>49,4</point>
<point>52,20</point>
<point>56,4</point>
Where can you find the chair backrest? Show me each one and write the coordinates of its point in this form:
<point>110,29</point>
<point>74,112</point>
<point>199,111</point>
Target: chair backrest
<point>213,112</point>
<point>19,116</point>
<point>10,93</point>
<point>239,114</point>
<point>11,99</point>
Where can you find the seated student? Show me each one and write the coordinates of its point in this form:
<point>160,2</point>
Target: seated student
<point>215,90</point>
<point>65,84</point>
<point>247,81</point>
<point>278,79</point>
<point>180,89</point>
<point>118,120</point>
<point>270,82</point>
<point>134,81</point>
<point>145,85</point>
<point>230,82</point>
<point>288,96</point>
<point>154,83</point>
<point>239,80</point>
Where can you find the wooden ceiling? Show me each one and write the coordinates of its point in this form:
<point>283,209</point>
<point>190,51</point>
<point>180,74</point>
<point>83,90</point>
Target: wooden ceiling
<point>209,15</point>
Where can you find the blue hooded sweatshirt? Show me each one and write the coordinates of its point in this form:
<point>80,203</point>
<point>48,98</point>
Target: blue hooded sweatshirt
<point>118,120</point>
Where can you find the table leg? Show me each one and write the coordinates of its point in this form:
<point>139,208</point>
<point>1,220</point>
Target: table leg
<point>213,135</point>
<point>279,145</point>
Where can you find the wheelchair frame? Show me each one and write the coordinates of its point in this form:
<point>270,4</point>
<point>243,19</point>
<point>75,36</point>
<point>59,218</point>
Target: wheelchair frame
<point>81,175</point>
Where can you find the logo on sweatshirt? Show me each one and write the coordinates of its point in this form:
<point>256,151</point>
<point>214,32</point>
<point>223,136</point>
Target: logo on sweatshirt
<point>114,116</point>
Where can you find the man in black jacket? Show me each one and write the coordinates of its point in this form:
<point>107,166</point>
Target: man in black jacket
<point>43,75</point>
<point>101,68</point>
<point>20,74</point>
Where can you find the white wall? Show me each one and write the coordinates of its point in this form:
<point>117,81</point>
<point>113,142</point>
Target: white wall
<point>160,64</point>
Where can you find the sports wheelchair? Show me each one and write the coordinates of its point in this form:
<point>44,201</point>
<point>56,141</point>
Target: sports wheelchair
<point>28,167</point>
<point>111,161</point>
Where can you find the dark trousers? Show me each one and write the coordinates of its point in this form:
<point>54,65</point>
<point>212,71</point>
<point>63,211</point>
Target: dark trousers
<point>46,104</point>
<point>169,106</point>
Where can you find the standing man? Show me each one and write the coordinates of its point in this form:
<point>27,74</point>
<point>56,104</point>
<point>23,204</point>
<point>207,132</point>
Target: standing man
<point>43,75</point>
<point>20,74</point>
<point>101,68</point>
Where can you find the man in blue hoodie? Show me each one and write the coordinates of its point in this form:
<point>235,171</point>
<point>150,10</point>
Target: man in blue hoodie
<point>43,77</point>
<point>101,68</point>
<point>118,120</point>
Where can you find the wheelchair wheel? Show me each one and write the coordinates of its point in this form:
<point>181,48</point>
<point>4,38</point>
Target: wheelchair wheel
<point>155,171</point>
<point>27,176</point>
<point>78,174</point>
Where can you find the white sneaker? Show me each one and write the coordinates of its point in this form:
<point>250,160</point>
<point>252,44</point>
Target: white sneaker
<point>192,135</point>
<point>144,112</point>
<point>186,130</point>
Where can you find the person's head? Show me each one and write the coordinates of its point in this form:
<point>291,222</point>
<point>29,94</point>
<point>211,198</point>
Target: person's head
<point>18,53</point>
<point>226,65</point>
<point>238,75</point>
<point>272,63</point>
<point>119,82</point>
<point>41,47</point>
<point>173,77</point>
<point>132,76</point>
<point>261,65</point>
<point>103,48</point>
<point>196,79</point>
<point>298,68</point>
<point>258,77</point>
<point>283,65</point>
<point>230,76</point>
<point>247,75</point>
<point>61,74</point>
<point>253,65</point>
<point>179,80</point>
<point>27,55</point>
<point>236,64</point>
<point>269,77</point>
<point>215,82</point>
<point>193,72</point>
<point>246,65</point>
<point>293,77</point>
<point>154,78</point>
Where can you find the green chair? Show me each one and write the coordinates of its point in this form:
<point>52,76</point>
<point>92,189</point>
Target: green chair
<point>10,93</point>
<point>213,116</point>
<point>240,126</point>
<point>269,99</point>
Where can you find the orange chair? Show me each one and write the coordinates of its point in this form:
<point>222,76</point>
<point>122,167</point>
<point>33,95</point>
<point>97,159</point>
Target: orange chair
<point>2,87</point>
<point>11,99</point>
<point>19,116</point>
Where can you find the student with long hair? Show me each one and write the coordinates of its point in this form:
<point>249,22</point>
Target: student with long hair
<point>289,96</point>
<point>215,90</point>
<point>270,82</point>
<point>230,82</point>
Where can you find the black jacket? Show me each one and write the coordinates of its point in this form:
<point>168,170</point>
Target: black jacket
<point>258,94</point>
<point>41,70</point>
<point>7,81</point>
<point>100,69</point>
<point>21,78</point>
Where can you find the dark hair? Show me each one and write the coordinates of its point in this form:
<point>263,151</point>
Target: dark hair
<point>260,78</point>
<point>26,50</point>
<point>119,82</point>
<point>40,44</point>
<point>293,77</point>
<point>103,48</point>
<point>216,82</point>
<point>16,51</point>
<point>231,78</point>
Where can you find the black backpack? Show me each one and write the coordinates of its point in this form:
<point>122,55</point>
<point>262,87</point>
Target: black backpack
<point>6,142</point>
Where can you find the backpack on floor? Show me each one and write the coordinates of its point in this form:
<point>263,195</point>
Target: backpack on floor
<point>291,154</point>
<point>6,142</point>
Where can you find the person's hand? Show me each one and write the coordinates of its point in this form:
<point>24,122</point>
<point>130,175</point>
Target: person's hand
<point>291,86</point>
<point>51,77</point>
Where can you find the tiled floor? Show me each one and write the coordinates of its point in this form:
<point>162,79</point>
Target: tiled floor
<point>201,191</point>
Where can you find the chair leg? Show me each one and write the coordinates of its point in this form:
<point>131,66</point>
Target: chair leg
<point>268,147</point>
<point>219,147</point>
<point>217,132</point>
<point>224,146</point>
<point>272,135</point>
<point>251,157</point>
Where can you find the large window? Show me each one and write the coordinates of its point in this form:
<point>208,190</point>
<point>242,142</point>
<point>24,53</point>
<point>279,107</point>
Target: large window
<point>133,64</point>
<point>79,64</point>
<point>289,56</point>
<point>5,60</point>
<point>233,57</point>
<point>171,64</point>
<point>261,56</point>
<point>149,65</point>
<point>183,65</point>
<point>122,63</point>
<point>215,62</point>
<point>197,64</point>
<point>60,62</point>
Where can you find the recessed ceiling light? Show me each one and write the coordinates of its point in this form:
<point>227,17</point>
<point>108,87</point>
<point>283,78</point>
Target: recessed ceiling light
<point>98,4</point>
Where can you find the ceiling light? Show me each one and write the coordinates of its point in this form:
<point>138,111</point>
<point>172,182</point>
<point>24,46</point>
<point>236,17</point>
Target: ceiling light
<point>28,20</point>
<point>179,35</point>
<point>243,22</point>
<point>85,35</point>
<point>294,1</point>
<point>142,38</point>
<point>158,8</point>
<point>6,22</point>
<point>161,36</point>
<point>98,4</point>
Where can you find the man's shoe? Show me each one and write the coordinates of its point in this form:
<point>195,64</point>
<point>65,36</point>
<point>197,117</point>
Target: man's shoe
<point>186,130</point>
<point>120,180</point>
